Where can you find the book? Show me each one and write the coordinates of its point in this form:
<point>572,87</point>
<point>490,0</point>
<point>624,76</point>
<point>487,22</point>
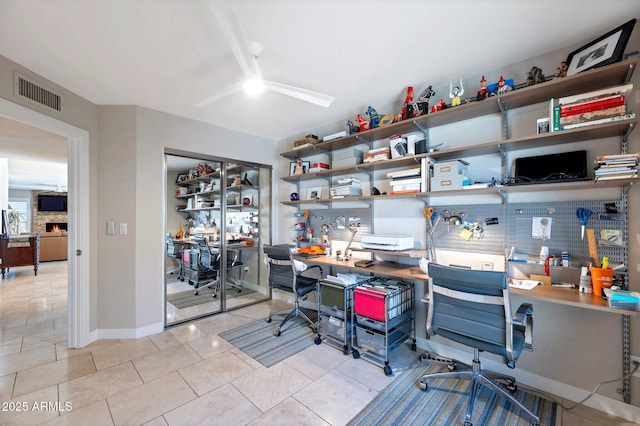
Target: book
<point>593,115</point>
<point>595,94</point>
<point>406,181</point>
<point>596,105</point>
<point>600,121</point>
<point>404,173</point>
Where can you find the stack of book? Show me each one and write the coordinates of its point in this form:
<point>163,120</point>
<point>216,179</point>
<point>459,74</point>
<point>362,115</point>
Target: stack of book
<point>617,166</point>
<point>346,187</point>
<point>587,109</point>
<point>405,181</point>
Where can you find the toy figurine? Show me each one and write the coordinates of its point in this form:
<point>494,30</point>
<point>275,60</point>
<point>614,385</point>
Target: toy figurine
<point>374,117</point>
<point>352,127</point>
<point>238,180</point>
<point>483,92</point>
<point>385,120</point>
<point>503,87</point>
<point>407,109</point>
<point>439,106</point>
<point>299,168</point>
<point>362,123</point>
<point>421,107</point>
<point>562,70</point>
<point>535,76</point>
<point>455,93</point>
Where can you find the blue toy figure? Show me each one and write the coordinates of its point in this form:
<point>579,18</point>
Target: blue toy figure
<point>374,117</point>
<point>352,127</point>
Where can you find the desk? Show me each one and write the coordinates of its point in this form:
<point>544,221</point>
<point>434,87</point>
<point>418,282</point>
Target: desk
<point>388,269</point>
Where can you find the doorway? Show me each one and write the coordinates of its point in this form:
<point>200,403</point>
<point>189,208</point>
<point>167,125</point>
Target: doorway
<point>79,332</point>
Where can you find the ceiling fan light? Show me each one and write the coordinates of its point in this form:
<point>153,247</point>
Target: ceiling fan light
<point>254,86</point>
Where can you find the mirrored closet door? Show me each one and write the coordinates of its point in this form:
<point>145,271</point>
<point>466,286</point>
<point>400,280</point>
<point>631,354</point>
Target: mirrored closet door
<point>217,220</point>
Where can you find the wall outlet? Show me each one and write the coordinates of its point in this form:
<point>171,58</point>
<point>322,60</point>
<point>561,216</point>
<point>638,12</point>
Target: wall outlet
<point>246,269</point>
<point>635,359</point>
<point>487,266</point>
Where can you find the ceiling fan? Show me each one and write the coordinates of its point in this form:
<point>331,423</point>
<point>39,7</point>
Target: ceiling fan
<point>247,54</point>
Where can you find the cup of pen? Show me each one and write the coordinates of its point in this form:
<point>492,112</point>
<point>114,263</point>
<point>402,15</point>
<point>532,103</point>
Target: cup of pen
<point>601,278</point>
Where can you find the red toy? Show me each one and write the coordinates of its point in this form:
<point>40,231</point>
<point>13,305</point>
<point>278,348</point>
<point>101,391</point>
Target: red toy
<point>439,106</point>
<point>483,93</point>
<point>363,124</point>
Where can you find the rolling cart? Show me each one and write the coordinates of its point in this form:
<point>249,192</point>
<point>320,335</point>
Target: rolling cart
<point>383,318</point>
<point>335,305</point>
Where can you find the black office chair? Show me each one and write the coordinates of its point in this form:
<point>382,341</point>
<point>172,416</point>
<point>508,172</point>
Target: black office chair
<point>211,261</point>
<point>174,251</point>
<point>473,308</point>
<point>283,276</point>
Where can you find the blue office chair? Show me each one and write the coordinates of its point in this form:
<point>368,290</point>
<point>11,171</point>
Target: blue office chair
<point>283,276</point>
<point>473,308</point>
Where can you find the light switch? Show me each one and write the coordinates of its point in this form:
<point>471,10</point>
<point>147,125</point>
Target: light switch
<point>111,227</point>
<point>123,229</point>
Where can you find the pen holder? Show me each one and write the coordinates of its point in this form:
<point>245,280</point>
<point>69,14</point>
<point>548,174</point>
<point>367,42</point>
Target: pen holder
<point>601,278</point>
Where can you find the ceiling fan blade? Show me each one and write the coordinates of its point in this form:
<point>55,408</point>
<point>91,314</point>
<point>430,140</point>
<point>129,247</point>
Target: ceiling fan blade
<point>227,19</point>
<point>226,92</point>
<point>299,93</point>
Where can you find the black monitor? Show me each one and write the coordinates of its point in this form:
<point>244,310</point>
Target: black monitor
<point>5,224</point>
<point>52,203</point>
<point>562,167</point>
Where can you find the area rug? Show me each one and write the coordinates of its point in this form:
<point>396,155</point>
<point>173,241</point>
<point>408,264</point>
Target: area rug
<point>257,339</point>
<point>184,299</point>
<point>445,403</point>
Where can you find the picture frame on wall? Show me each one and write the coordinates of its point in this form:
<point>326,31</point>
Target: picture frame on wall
<point>604,50</point>
<point>182,177</point>
<point>299,167</point>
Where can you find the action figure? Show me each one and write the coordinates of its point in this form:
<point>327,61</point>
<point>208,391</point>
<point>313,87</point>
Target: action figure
<point>455,93</point>
<point>352,127</point>
<point>362,123</point>
<point>407,109</point>
<point>439,106</point>
<point>483,92</point>
<point>562,70</point>
<point>503,87</point>
<point>421,107</point>
<point>535,76</point>
<point>374,117</point>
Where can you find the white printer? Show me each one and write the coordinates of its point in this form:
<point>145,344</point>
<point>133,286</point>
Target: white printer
<point>387,242</point>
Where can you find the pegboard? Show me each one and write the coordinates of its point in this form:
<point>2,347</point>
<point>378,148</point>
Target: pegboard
<point>565,230</point>
<point>492,238</point>
<point>320,217</point>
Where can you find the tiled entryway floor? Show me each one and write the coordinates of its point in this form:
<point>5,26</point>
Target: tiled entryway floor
<point>185,375</point>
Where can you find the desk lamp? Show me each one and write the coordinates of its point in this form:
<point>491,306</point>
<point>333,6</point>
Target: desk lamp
<point>342,222</point>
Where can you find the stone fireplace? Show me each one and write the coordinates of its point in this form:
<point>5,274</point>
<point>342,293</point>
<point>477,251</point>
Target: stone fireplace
<point>55,226</point>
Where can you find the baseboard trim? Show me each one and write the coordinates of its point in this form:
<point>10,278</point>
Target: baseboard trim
<point>129,333</point>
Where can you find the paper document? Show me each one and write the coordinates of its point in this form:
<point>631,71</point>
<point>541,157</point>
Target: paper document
<point>523,284</point>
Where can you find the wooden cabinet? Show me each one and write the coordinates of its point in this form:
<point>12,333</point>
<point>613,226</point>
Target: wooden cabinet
<point>19,251</point>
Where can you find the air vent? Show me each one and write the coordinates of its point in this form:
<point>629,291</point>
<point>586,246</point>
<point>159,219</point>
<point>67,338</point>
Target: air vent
<point>34,92</point>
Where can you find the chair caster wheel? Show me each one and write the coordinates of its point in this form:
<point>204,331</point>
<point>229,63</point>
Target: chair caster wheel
<point>195,293</point>
<point>451,367</point>
<point>511,386</point>
<point>278,333</point>
<point>268,320</point>
<point>356,355</point>
<point>215,296</point>
<point>423,386</point>
<point>387,370</point>
<point>318,340</point>
<point>468,424</point>
<point>345,350</point>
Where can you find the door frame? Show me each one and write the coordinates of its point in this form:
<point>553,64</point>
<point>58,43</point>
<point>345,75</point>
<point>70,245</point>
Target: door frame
<point>78,252</point>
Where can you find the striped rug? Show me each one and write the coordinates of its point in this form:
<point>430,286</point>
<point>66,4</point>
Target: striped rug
<point>257,339</point>
<point>184,299</point>
<point>445,403</point>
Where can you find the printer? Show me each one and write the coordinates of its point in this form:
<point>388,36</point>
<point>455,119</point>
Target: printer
<point>387,242</point>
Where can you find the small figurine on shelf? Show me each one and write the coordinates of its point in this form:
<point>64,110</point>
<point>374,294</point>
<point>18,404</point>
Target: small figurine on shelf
<point>455,93</point>
<point>562,70</point>
<point>238,180</point>
<point>503,87</point>
<point>362,123</point>
<point>374,117</point>
<point>483,92</point>
<point>421,106</point>
<point>299,168</point>
<point>439,106</point>
<point>407,109</point>
<point>352,127</point>
<point>535,76</point>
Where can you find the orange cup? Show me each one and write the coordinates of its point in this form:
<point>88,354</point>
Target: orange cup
<point>601,278</point>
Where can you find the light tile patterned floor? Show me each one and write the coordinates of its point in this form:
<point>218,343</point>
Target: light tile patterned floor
<point>185,375</point>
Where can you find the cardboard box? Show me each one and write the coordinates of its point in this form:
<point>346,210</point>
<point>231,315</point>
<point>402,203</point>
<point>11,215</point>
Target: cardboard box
<point>449,168</point>
<point>379,154</point>
<point>447,183</point>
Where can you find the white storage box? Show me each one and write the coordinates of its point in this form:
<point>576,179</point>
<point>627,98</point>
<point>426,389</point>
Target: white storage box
<point>387,242</point>
<point>447,183</point>
<point>341,154</point>
<point>346,162</point>
<point>449,168</point>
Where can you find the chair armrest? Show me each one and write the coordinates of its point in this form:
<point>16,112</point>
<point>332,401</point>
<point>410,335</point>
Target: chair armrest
<point>524,319</point>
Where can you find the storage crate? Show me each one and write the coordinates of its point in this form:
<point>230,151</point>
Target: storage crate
<point>449,168</point>
<point>380,343</point>
<point>382,300</point>
<point>336,328</point>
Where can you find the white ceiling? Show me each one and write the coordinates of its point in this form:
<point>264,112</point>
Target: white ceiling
<point>170,54</point>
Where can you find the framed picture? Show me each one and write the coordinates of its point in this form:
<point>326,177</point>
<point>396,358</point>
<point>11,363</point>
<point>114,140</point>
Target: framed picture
<point>314,193</point>
<point>543,125</point>
<point>602,51</point>
<point>182,177</point>
<point>299,167</point>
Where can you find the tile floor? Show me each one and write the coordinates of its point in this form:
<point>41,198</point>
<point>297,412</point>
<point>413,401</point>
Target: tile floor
<point>185,375</point>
